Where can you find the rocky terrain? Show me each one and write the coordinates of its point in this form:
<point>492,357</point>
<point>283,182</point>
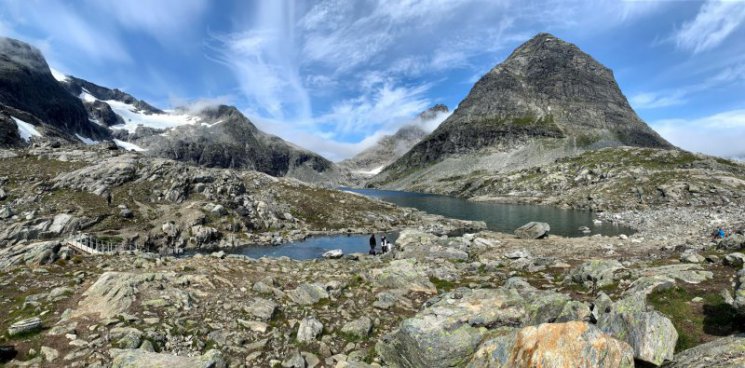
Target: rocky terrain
<point>50,193</point>
<point>608,179</point>
<point>547,100</point>
<point>483,299</point>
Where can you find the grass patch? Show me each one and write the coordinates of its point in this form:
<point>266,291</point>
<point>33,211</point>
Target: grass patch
<point>696,323</point>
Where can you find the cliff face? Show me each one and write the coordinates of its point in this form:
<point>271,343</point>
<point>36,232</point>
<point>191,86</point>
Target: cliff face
<point>547,91</point>
<point>27,86</point>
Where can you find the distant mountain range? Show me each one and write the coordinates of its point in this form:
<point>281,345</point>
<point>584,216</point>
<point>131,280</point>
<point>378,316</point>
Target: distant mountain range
<point>36,105</point>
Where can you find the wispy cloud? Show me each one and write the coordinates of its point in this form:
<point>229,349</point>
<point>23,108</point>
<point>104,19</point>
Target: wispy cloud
<point>164,20</point>
<point>719,134</point>
<point>652,100</point>
<point>715,21</point>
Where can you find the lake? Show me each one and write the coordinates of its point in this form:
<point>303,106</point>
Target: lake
<point>498,217</point>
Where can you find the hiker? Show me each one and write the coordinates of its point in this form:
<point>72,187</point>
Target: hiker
<point>372,244</point>
<point>384,244</point>
<point>108,198</point>
<point>721,233</point>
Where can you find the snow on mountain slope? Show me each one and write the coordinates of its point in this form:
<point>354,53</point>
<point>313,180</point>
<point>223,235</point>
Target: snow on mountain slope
<point>129,146</point>
<point>26,130</point>
<point>133,118</point>
<point>59,76</point>
<point>85,140</point>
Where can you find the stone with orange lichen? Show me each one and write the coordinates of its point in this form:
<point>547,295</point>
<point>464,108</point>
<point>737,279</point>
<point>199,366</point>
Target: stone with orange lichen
<point>554,345</point>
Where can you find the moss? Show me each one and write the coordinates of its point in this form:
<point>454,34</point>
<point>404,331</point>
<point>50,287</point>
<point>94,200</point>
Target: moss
<point>442,285</point>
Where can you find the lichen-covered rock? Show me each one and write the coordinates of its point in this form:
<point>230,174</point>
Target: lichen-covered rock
<point>732,242</point>
<point>554,345</point>
<point>144,359</point>
<point>29,254</point>
<point>596,272</point>
<point>739,298</point>
<point>262,309</point>
<point>114,292</point>
<point>726,352</point>
<point>449,329</point>
<point>403,274</point>
<point>533,230</point>
<point>309,329</point>
<point>359,328</point>
<point>650,334</point>
<point>307,294</point>
<point>25,326</point>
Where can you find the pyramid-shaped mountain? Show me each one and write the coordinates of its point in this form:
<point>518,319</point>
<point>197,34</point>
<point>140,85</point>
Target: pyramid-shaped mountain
<point>546,100</point>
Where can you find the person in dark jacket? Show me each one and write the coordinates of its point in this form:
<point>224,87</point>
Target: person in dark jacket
<point>372,244</point>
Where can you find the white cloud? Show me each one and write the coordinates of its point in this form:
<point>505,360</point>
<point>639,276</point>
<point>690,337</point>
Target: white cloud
<point>715,21</point>
<point>652,100</point>
<point>720,134</point>
<point>162,19</point>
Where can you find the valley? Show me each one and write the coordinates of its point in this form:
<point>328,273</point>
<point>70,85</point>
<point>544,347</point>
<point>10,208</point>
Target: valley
<point>542,223</point>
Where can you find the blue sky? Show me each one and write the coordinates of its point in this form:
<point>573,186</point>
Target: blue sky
<point>333,76</point>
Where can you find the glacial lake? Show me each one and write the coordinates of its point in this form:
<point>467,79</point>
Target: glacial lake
<point>498,217</point>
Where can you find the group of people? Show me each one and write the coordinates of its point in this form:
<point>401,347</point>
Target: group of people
<point>385,245</point>
<point>721,232</point>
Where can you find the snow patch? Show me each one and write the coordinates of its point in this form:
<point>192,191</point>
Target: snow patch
<point>129,146</point>
<point>59,76</point>
<point>372,172</point>
<point>26,130</point>
<point>133,118</point>
<point>87,96</point>
<point>85,140</point>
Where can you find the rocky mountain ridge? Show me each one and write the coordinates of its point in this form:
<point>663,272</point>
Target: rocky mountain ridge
<point>547,100</point>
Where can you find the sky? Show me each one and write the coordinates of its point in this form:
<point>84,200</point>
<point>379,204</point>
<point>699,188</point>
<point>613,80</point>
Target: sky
<point>335,75</point>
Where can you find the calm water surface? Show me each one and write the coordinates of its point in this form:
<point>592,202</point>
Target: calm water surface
<point>498,217</point>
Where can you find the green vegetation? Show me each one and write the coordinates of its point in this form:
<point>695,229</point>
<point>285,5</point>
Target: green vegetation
<point>696,323</point>
<point>442,285</point>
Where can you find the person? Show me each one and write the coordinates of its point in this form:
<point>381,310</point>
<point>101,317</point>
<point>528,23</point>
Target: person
<point>372,244</point>
<point>721,233</point>
<point>384,244</point>
<point>108,198</point>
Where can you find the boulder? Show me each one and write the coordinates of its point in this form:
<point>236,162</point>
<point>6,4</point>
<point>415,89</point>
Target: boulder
<point>307,294</point>
<point>358,328</point>
<point>114,292</point>
<point>333,254</point>
<point>219,210</point>
<point>29,254</point>
<point>403,274</point>
<point>126,213</point>
<point>126,337</point>
<point>451,326</point>
<point>692,257</point>
<point>732,242</point>
<point>143,359</point>
<point>735,259</point>
<point>262,309</point>
<point>650,334</point>
<point>739,298</point>
<point>554,345</point>
<point>596,272</point>
<point>5,212</point>
<point>726,352</point>
<point>533,230</point>
<point>309,329</point>
<point>25,326</point>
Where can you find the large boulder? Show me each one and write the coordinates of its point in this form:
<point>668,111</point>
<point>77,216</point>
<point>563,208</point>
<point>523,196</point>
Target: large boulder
<point>554,345</point>
<point>650,334</point>
<point>262,309</point>
<point>29,254</point>
<point>732,242</point>
<point>452,325</point>
<point>403,274</point>
<point>114,292</point>
<point>358,328</point>
<point>596,272</point>
<point>726,352</point>
<point>533,230</point>
<point>143,359</point>
<point>25,326</point>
